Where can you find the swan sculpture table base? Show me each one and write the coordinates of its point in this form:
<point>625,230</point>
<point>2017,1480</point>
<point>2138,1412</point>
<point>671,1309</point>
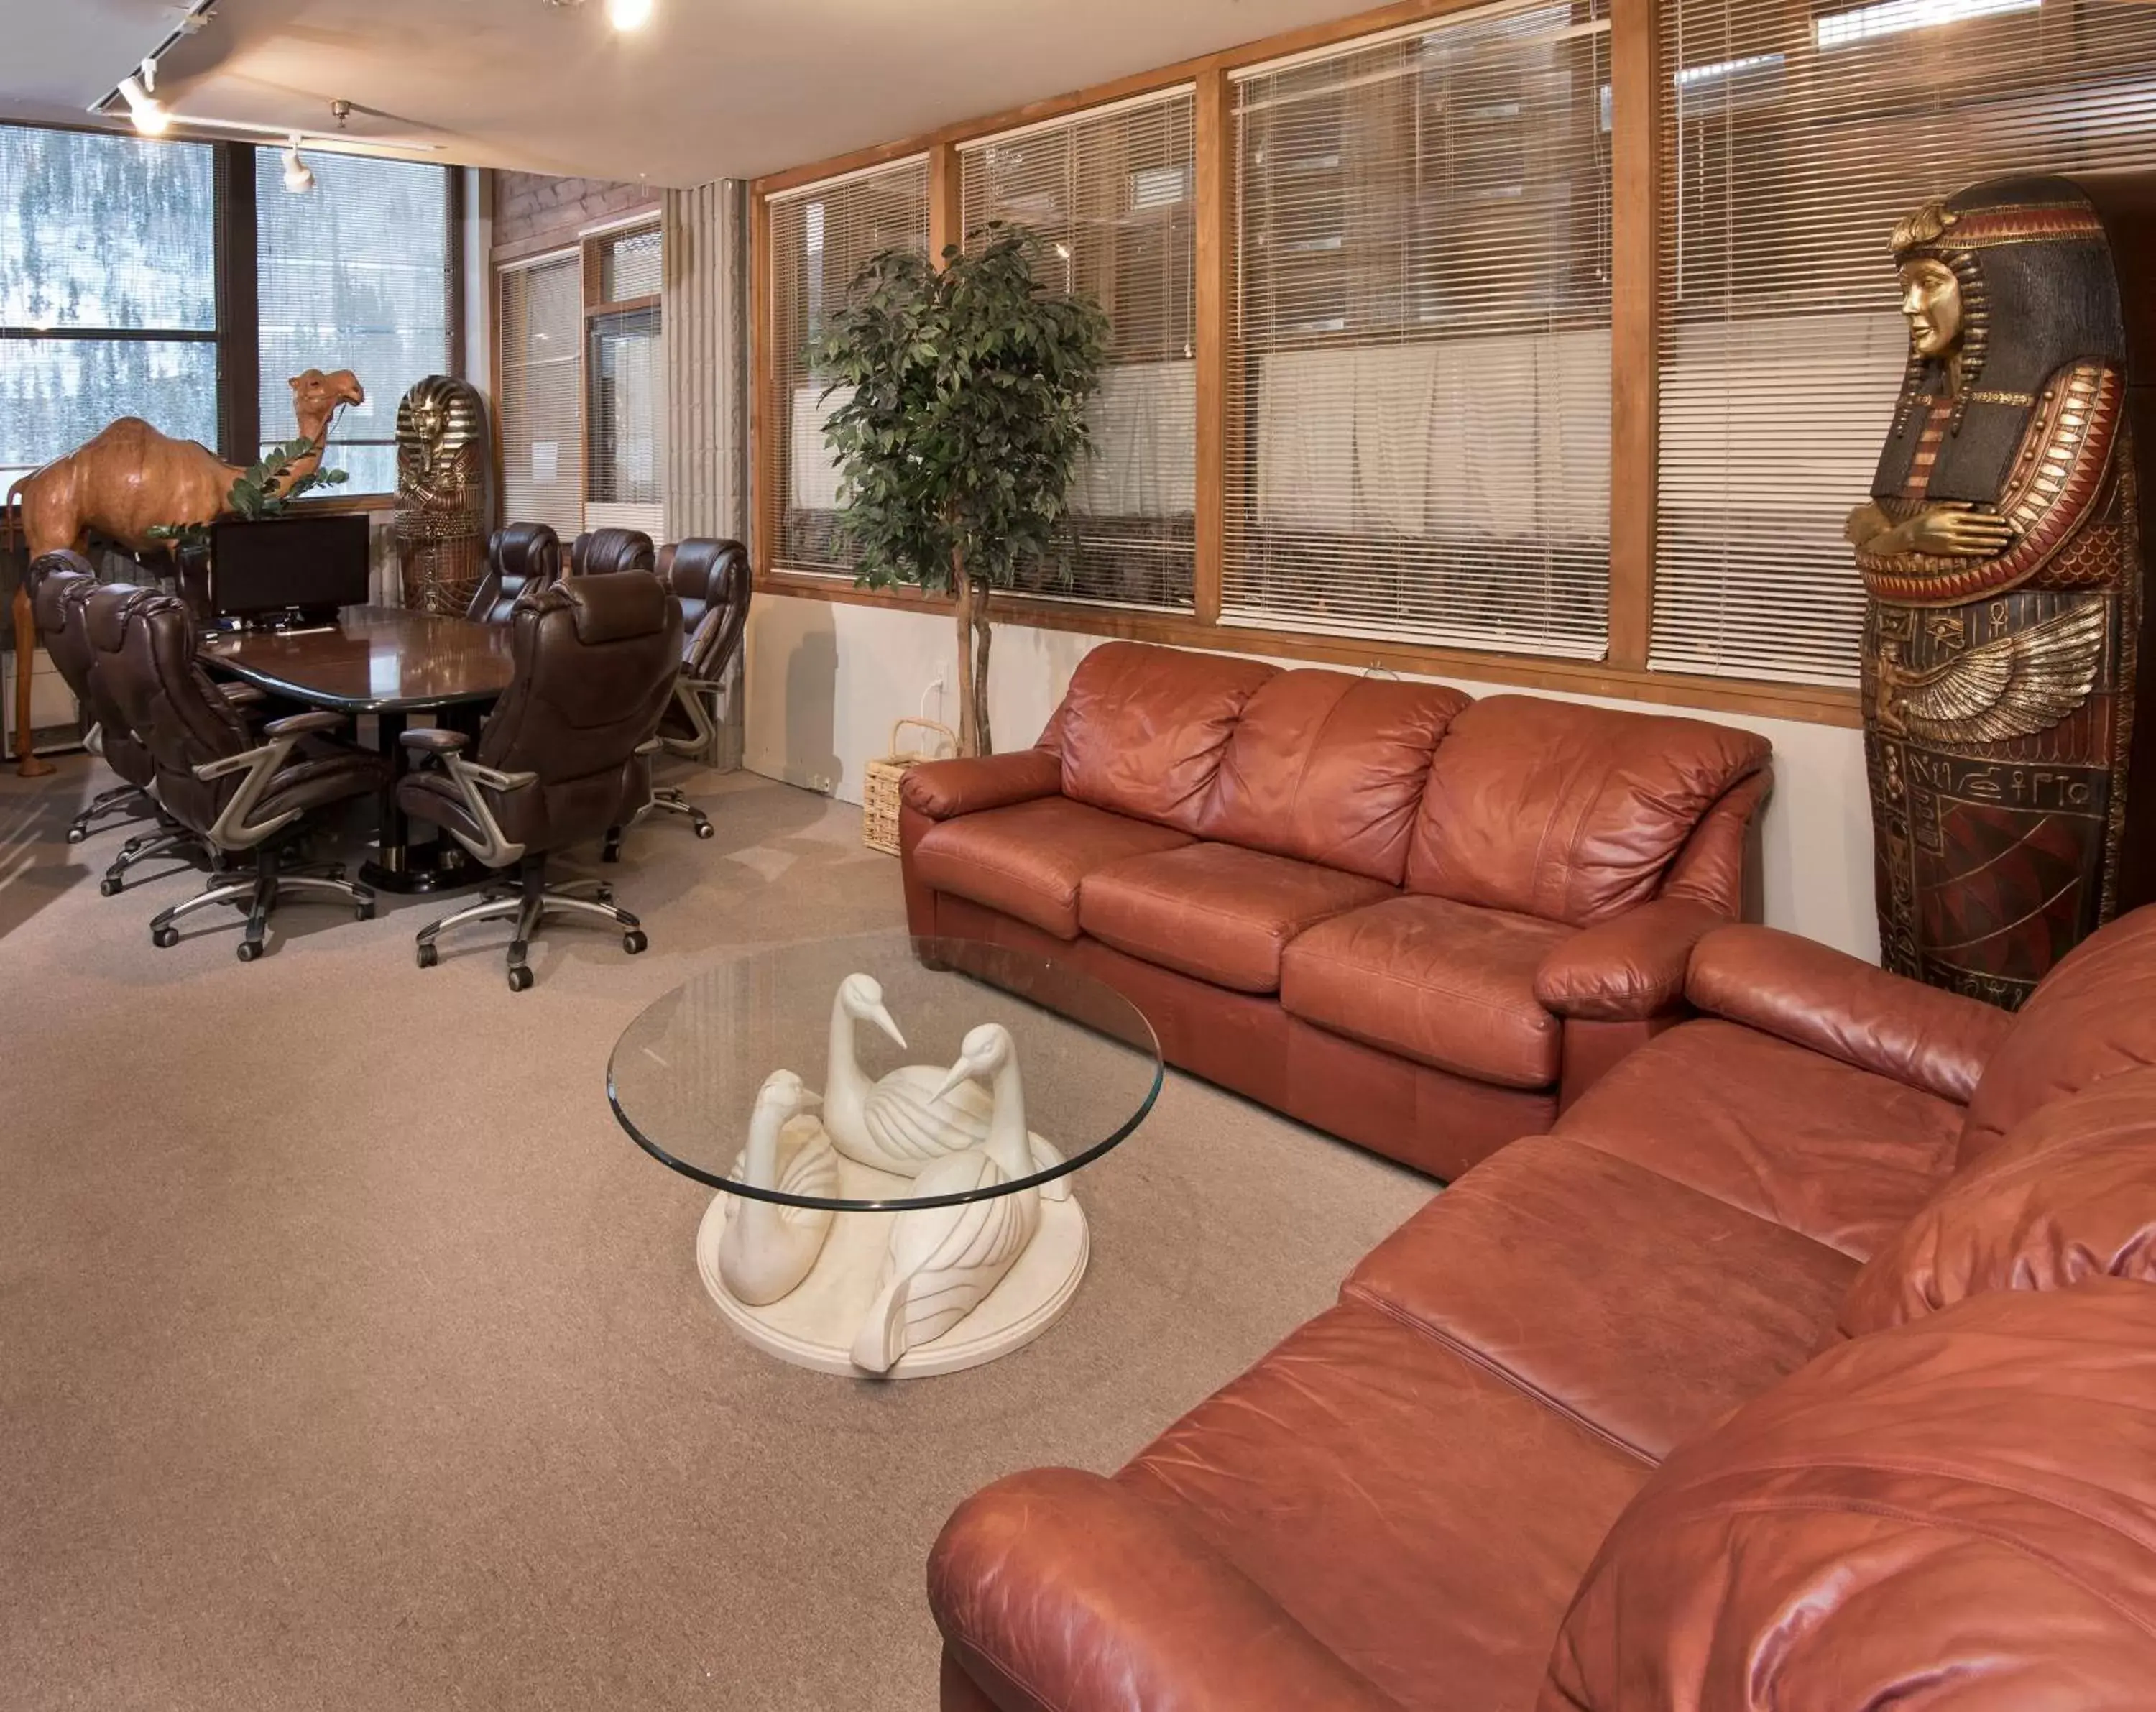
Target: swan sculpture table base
<point>816,1324</point>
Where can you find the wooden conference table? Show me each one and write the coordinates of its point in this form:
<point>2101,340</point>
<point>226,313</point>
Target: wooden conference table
<point>390,663</point>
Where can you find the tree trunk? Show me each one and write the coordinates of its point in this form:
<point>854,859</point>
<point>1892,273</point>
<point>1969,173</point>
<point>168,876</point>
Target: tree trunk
<point>961,597</point>
<point>984,633</point>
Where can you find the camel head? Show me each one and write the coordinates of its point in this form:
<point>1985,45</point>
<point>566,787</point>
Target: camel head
<point>317,398</point>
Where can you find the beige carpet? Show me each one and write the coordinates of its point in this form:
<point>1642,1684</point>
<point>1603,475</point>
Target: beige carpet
<point>352,1357</point>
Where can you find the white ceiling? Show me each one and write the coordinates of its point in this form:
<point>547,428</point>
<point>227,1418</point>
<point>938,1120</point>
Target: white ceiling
<point>710,88</point>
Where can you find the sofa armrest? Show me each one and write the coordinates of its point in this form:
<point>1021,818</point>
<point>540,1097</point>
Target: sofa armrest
<point>1812,995</point>
<point>941,789</point>
<point>1057,1589</point>
<point>1630,968</point>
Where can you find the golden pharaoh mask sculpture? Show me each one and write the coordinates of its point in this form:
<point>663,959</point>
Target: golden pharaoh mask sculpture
<point>2001,553</point>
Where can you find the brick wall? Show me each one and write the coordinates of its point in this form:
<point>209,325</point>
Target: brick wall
<point>530,206</point>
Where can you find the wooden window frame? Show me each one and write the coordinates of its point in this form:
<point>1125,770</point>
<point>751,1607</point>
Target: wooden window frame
<point>1622,674</point>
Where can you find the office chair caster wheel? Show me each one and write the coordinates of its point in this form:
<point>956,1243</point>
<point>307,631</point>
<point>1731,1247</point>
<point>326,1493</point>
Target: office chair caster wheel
<point>363,912</point>
<point>520,978</point>
<point>337,870</point>
<point>633,941</point>
<point>108,887</point>
<point>429,957</point>
<point>604,894</point>
<point>248,950</point>
<point>75,835</point>
<point>612,852</point>
<point>705,829</point>
<point>165,939</point>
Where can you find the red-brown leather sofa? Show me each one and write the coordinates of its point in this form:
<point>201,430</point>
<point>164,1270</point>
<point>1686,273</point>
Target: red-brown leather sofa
<point>1414,920</point>
<point>1808,1364</point>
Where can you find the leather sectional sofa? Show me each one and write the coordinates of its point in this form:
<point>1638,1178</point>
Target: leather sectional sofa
<point>1418,921</point>
<point>1808,1362</point>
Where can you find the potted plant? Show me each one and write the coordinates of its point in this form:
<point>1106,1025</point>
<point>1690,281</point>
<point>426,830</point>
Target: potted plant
<point>960,418</point>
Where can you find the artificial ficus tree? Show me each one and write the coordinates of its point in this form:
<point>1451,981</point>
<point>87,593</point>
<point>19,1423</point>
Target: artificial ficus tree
<point>959,419</point>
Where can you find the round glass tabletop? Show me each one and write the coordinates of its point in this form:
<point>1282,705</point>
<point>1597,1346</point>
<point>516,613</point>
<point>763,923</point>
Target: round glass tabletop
<point>942,1073</point>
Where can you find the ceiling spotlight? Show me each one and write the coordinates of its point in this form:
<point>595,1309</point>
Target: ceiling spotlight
<point>299,176</point>
<point>629,14</point>
<point>150,118</point>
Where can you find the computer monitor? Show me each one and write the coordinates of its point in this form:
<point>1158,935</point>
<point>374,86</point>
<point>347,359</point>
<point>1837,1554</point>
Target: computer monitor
<point>310,566</point>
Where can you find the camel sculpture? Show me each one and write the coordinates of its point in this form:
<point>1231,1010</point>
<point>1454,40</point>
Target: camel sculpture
<point>126,480</point>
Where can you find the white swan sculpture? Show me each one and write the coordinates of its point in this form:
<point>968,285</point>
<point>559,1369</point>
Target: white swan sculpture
<point>943,1262</point>
<point>767,1249</point>
<point>911,1116</point>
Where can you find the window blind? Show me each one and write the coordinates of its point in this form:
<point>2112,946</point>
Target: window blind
<point>820,238</point>
<point>627,391</point>
<point>353,274</point>
<point>1792,138</point>
<point>107,290</point>
<point>1419,440</point>
<point>1110,194</point>
<point>541,329</point>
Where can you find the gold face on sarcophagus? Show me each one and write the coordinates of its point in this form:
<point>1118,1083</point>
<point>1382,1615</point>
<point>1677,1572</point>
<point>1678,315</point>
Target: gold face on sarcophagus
<point>2000,553</point>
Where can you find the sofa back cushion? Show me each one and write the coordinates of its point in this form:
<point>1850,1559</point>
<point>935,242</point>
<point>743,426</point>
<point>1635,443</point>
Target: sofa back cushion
<point>2093,1016</point>
<point>1330,769</point>
<point>1143,729</point>
<point>2070,1195</point>
<point>1567,811</point>
<point>1959,1514</point>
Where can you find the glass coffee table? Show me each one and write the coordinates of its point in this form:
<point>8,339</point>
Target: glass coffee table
<point>894,1141</point>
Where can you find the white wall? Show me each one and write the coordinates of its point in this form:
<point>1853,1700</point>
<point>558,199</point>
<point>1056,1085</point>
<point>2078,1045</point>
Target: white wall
<point>826,680</point>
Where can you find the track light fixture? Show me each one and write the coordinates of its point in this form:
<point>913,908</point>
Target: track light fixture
<point>149,117</point>
<point>299,176</point>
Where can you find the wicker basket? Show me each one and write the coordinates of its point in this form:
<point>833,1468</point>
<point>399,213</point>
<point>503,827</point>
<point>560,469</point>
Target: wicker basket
<point>880,780</point>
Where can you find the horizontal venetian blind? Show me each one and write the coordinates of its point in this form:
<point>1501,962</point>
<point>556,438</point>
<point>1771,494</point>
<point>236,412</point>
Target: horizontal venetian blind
<point>1792,138</point>
<point>820,237</point>
<point>1418,439</point>
<point>543,438</point>
<point>1110,194</point>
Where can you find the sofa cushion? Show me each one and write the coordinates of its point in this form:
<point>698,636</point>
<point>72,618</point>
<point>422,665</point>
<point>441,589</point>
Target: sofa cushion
<point>1028,859</point>
<point>1141,729</point>
<point>2093,1016</point>
<point>1957,1515</point>
<point>1835,1153</point>
<point>2069,1193</point>
<point>1640,1307</point>
<point>1421,1517</point>
<point>1330,769</point>
<point>1216,911</point>
<point>1566,811</point>
<point>1444,983</point>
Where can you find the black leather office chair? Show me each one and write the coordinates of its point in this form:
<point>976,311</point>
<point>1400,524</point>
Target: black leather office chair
<point>243,795</point>
<point>601,552</point>
<point>710,579</point>
<point>61,583</point>
<point>565,757</point>
<point>521,556</point>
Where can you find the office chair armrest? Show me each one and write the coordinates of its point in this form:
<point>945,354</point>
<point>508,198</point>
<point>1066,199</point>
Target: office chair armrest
<point>689,693</point>
<point>231,828</point>
<point>434,740</point>
<point>651,745</point>
<point>299,725</point>
<point>241,695</point>
<point>492,849</point>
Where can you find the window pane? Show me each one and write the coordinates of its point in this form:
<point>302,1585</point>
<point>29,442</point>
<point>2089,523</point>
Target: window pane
<point>1110,197</point>
<point>55,393</point>
<point>1791,141</point>
<point>820,239</point>
<point>542,448</point>
<point>1420,447</point>
<point>353,274</point>
<point>626,410</point>
<point>106,231</point>
<point>629,266</point>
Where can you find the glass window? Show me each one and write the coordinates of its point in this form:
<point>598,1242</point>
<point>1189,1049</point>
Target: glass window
<point>108,288</point>
<point>627,380</point>
<point>353,274</point>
